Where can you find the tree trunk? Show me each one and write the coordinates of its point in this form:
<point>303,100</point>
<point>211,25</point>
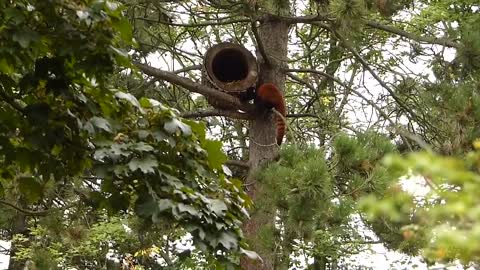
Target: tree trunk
<point>19,226</point>
<point>263,148</point>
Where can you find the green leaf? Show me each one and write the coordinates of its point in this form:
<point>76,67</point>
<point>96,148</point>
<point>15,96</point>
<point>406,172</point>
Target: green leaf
<point>165,204</point>
<point>198,129</point>
<point>187,208</point>
<point>218,207</point>
<point>101,123</point>
<point>174,125</point>
<point>146,164</point>
<point>130,98</point>
<point>24,38</point>
<point>142,147</point>
<point>215,157</point>
<point>124,28</point>
<point>146,206</point>
<point>5,67</point>
<point>31,188</point>
<point>228,240</point>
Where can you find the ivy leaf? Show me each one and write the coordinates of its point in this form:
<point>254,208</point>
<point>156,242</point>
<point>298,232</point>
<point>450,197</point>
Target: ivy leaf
<point>146,164</point>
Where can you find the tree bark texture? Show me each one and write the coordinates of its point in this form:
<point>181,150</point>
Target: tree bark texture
<point>273,34</point>
<point>19,226</point>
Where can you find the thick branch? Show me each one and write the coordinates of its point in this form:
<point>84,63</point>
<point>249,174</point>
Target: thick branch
<point>25,211</point>
<point>238,163</point>
<point>231,114</point>
<point>400,32</point>
<point>192,86</point>
<point>198,24</point>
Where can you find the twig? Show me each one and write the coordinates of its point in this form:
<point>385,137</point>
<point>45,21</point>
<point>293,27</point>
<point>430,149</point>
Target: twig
<point>350,89</point>
<point>190,68</point>
<point>260,46</point>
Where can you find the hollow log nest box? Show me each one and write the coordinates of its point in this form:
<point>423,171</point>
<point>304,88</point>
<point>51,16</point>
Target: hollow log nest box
<point>230,68</point>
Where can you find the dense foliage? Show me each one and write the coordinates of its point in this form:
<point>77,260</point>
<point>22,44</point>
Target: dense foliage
<point>74,149</point>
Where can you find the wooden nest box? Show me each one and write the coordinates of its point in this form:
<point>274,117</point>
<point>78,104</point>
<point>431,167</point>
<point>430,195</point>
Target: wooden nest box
<point>230,68</point>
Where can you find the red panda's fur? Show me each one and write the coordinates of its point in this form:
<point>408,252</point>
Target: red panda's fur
<point>270,96</point>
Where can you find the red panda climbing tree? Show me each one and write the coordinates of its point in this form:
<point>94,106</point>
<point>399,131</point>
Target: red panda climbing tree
<point>270,96</point>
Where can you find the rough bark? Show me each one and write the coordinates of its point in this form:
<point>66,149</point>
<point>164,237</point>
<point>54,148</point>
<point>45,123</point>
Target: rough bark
<point>273,34</point>
<point>19,226</point>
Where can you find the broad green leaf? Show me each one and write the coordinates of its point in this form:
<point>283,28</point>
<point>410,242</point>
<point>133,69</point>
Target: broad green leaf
<point>187,208</point>
<point>5,67</point>
<point>228,240</point>
<point>146,164</point>
<point>31,188</point>
<point>101,123</point>
<point>174,125</point>
<point>216,157</point>
<point>130,98</point>
<point>218,207</point>
<point>142,147</point>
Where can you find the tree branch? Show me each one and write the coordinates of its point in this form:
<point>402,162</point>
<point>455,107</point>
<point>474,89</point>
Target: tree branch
<point>217,112</point>
<point>199,24</point>
<point>25,211</point>
<point>190,68</point>
<point>405,34</point>
<point>299,115</point>
<point>393,30</point>
<point>260,46</point>
<point>192,86</point>
<point>238,163</point>
<point>365,64</point>
<point>360,95</point>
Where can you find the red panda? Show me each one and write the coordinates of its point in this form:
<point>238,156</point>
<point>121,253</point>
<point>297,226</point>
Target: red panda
<point>271,97</point>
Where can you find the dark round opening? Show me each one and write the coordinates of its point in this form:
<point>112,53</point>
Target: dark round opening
<point>230,65</point>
